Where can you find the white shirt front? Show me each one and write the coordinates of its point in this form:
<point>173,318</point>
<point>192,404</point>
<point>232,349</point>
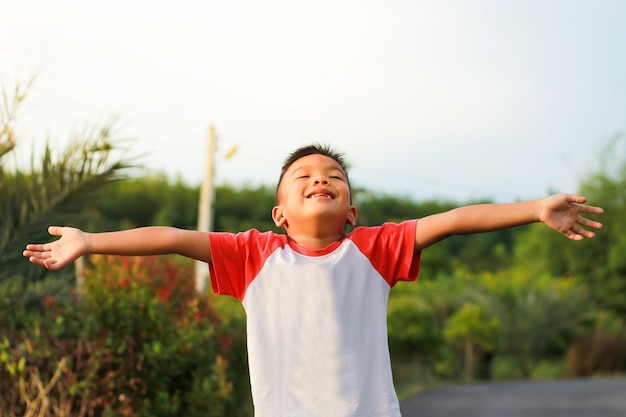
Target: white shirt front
<point>316,320</point>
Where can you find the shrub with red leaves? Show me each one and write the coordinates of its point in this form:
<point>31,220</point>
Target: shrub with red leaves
<point>138,340</point>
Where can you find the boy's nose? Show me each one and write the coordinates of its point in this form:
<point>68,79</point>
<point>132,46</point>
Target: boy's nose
<point>320,179</point>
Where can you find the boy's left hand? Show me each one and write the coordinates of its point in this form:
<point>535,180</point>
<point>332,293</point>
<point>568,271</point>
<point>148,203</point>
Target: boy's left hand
<point>562,212</point>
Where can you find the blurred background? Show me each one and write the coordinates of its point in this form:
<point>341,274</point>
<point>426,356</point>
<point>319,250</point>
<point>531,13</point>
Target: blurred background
<point>104,118</point>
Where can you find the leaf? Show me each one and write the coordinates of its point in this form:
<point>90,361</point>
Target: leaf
<point>53,190</point>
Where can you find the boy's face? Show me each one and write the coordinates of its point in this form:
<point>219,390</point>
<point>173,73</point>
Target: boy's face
<point>314,186</point>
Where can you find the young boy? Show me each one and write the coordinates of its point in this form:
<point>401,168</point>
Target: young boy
<point>316,297</point>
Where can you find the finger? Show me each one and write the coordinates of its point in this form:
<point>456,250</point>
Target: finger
<point>571,235</point>
<point>38,247</point>
<point>582,208</point>
<point>37,261</point>
<point>588,223</point>
<point>575,198</point>
<point>583,233</point>
<point>55,230</point>
<point>51,264</point>
<point>36,254</point>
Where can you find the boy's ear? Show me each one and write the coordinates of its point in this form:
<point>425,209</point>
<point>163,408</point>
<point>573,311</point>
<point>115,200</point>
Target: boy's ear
<point>351,216</point>
<point>278,216</point>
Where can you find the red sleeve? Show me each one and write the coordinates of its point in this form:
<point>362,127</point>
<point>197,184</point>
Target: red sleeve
<point>391,250</point>
<point>236,259</point>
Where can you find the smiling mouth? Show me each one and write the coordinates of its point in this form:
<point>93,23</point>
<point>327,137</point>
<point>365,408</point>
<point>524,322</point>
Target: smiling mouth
<point>319,195</point>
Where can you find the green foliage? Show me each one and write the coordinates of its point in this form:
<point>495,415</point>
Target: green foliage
<point>598,264</point>
<point>600,348</point>
<point>146,201</point>
<point>602,265</point>
<point>413,328</point>
<point>539,250</point>
<point>53,191</point>
<point>504,368</point>
<point>237,210</point>
<point>474,331</point>
<point>375,209</point>
<point>539,314</point>
<point>156,200</point>
<point>561,305</point>
<point>476,318</point>
<point>138,341</point>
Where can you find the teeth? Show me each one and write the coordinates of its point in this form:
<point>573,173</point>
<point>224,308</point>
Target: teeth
<point>319,195</point>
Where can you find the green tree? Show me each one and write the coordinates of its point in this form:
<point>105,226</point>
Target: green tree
<point>539,314</point>
<point>414,327</point>
<point>598,264</point>
<point>601,264</point>
<point>244,208</point>
<point>156,200</point>
<point>539,250</point>
<point>145,201</point>
<point>475,331</point>
<point>53,190</point>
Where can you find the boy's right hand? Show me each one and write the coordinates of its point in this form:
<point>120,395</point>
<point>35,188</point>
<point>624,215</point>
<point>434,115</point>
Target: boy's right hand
<point>61,252</point>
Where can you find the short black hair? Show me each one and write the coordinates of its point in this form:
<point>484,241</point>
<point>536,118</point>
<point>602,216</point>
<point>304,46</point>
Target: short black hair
<point>313,149</point>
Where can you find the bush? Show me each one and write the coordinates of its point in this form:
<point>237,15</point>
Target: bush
<point>600,349</point>
<point>137,341</point>
<point>413,328</point>
<point>509,324</point>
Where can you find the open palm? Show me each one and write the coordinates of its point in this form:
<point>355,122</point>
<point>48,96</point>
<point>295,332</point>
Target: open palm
<point>562,213</point>
<point>61,252</point>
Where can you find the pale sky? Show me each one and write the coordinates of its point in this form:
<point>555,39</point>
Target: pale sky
<point>458,100</point>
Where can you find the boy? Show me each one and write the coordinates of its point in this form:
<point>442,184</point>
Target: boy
<point>316,297</point>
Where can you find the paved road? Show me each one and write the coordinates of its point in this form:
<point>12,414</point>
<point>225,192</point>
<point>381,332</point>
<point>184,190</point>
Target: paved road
<point>571,398</point>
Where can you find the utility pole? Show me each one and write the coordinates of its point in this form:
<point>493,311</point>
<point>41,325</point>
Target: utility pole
<point>205,208</point>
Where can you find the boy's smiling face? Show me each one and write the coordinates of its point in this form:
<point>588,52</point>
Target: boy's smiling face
<point>314,187</point>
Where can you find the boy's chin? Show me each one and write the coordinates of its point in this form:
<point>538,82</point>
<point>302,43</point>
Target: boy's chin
<point>325,214</point>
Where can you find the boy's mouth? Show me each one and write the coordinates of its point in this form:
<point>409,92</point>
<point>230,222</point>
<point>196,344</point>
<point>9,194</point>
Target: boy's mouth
<point>321,194</point>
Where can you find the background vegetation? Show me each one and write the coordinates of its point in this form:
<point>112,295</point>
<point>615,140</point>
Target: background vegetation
<point>138,340</point>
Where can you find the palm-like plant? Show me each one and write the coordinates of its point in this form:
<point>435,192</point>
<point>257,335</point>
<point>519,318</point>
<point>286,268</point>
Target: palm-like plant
<point>52,191</point>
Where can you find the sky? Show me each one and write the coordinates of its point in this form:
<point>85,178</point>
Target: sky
<point>454,100</point>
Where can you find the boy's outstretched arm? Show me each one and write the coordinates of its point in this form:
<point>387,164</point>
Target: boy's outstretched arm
<point>561,212</point>
<point>155,240</point>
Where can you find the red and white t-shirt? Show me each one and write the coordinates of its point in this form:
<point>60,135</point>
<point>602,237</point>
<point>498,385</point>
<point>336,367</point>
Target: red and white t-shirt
<point>316,319</point>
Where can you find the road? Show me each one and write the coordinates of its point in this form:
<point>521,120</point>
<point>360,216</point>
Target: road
<point>571,398</point>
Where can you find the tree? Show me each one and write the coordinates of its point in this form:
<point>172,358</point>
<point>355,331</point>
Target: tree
<point>601,264</point>
<point>539,314</point>
<point>598,264</point>
<point>53,190</point>
<point>146,201</point>
<point>241,209</point>
<point>475,330</point>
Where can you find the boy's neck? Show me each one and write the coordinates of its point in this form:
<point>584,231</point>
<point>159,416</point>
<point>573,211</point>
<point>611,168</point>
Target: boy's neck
<point>316,233</point>
<point>314,242</point>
